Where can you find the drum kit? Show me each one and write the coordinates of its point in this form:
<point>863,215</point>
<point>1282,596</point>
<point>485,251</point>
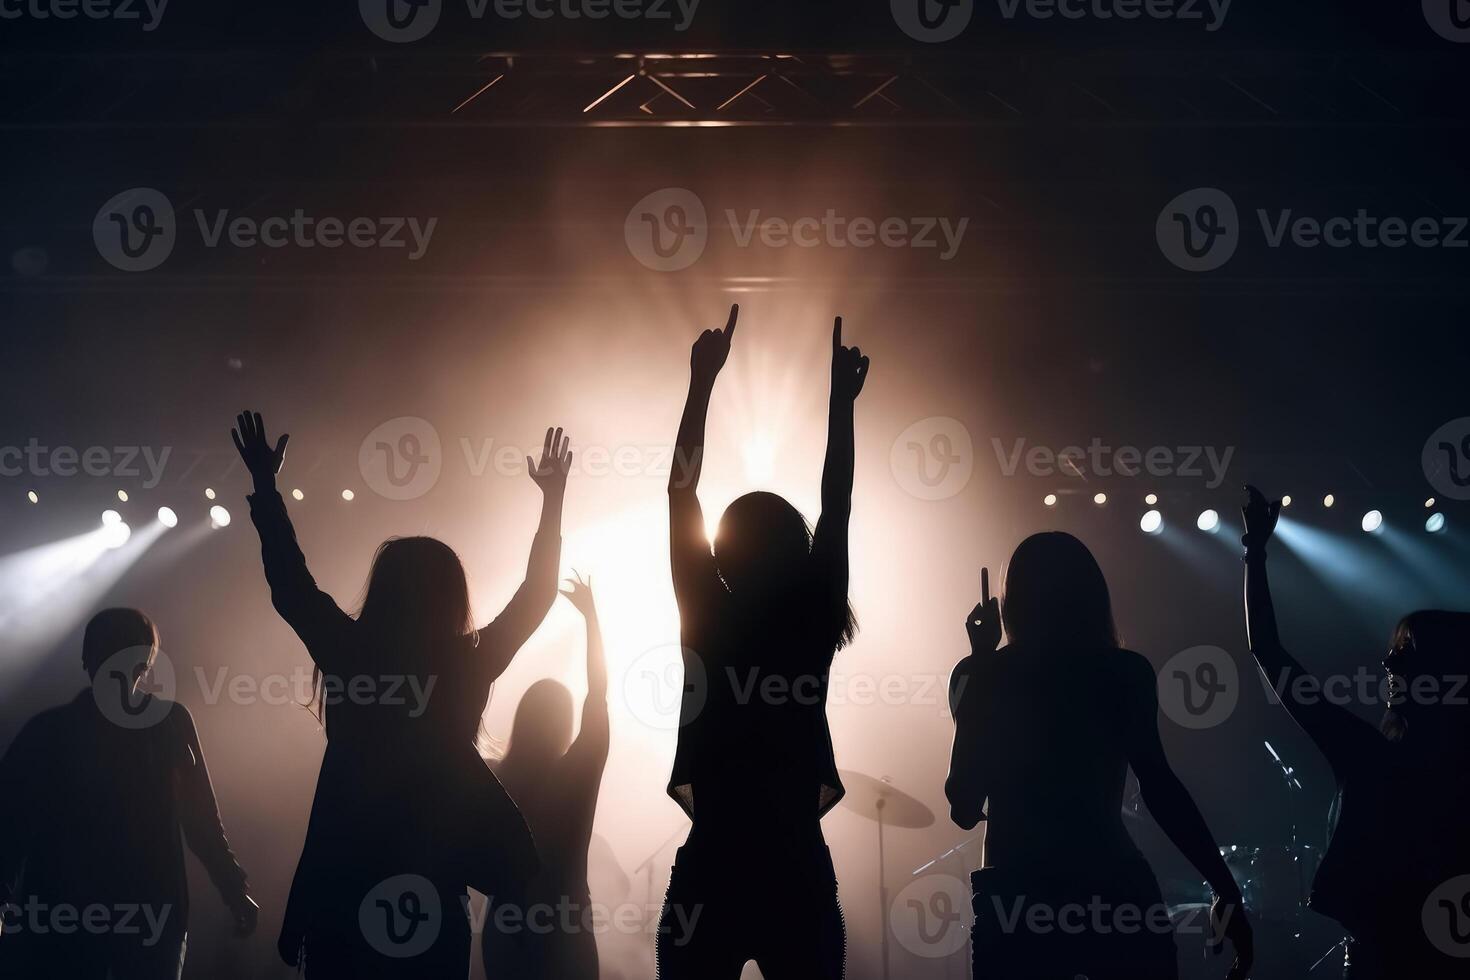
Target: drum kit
<point>1274,881</point>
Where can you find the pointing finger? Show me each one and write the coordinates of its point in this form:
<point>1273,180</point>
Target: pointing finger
<point>837,334</point>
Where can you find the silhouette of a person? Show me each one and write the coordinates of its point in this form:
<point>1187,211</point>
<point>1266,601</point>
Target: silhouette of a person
<point>404,803</point>
<point>760,620</point>
<point>1046,729</point>
<point>1400,832</point>
<point>555,782</point>
<point>97,799</point>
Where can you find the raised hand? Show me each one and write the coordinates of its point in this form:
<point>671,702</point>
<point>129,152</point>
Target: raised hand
<point>712,349</point>
<point>1228,921</point>
<point>260,459</point>
<point>1260,518</point>
<point>984,622</point>
<point>550,474</point>
<point>579,592</point>
<point>849,367</point>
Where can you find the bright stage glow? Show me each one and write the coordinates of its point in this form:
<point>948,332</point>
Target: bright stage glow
<point>1372,521</point>
<point>218,517</point>
<point>1286,501</point>
<point>167,517</point>
<point>1050,500</point>
<point>209,493</point>
<point>32,497</point>
<point>1151,499</point>
<point>759,456</point>
<point>348,496</point>
<point>1328,500</point>
<point>1100,499</point>
<point>1435,524</point>
<point>1152,523</point>
<point>122,495</point>
<point>1209,521</point>
<point>297,494</point>
<point>110,517</point>
<point>116,534</point>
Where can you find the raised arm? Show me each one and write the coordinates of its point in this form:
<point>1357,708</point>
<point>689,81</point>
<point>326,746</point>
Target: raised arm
<point>528,607</point>
<point>829,542</point>
<point>689,549</point>
<point>591,746</point>
<point>204,831</point>
<point>1176,813</point>
<point>308,610</point>
<point>1341,735</point>
<point>968,784</point>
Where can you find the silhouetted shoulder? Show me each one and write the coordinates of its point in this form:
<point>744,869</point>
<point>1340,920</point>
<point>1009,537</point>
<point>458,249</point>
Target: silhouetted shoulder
<point>1134,673</point>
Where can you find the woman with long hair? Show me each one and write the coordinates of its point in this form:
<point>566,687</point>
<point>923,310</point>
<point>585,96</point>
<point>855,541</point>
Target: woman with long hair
<point>398,826</point>
<point>1046,729</point>
<point>555,781</point>
<point>1396,873</point>
<point>761,617</point>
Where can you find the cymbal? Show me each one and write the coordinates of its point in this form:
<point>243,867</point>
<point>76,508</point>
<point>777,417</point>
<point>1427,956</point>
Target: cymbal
<point>867,795</point>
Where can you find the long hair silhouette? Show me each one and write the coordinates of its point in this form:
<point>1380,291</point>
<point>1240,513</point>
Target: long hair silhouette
<point>1055,594</point>
<point>763,553</point>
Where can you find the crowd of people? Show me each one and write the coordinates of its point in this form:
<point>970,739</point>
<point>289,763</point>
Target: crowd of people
<point>1047,727</point>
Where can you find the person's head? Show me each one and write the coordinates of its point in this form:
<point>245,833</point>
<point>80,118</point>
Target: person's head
<point>120,631</point>
<point>1055,595</point>
<point>763,549</point>
<point>416,592</point>
<point>1428,666</point>
<point>542,730</point>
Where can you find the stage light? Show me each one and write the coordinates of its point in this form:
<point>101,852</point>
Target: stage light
<point>1050,500</point>
<point>1100,499</point>
<point>1151,499</point>
<point>122,495</point>
<point>1209,521</point>
<point>218,517</point>
<point>32,497</point>
<point>348,495</point>
<point>297,494</point>
<point>167,517</point>
<point>1328,500</point>
<point>1152,523</point>
<point>111,517</point>
<point>115,535</point>
<point>1435,524</point>
<point>1429,502</point>
<point>1372,521</point>
<point>1286,501</point>
<point>209,493</point>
